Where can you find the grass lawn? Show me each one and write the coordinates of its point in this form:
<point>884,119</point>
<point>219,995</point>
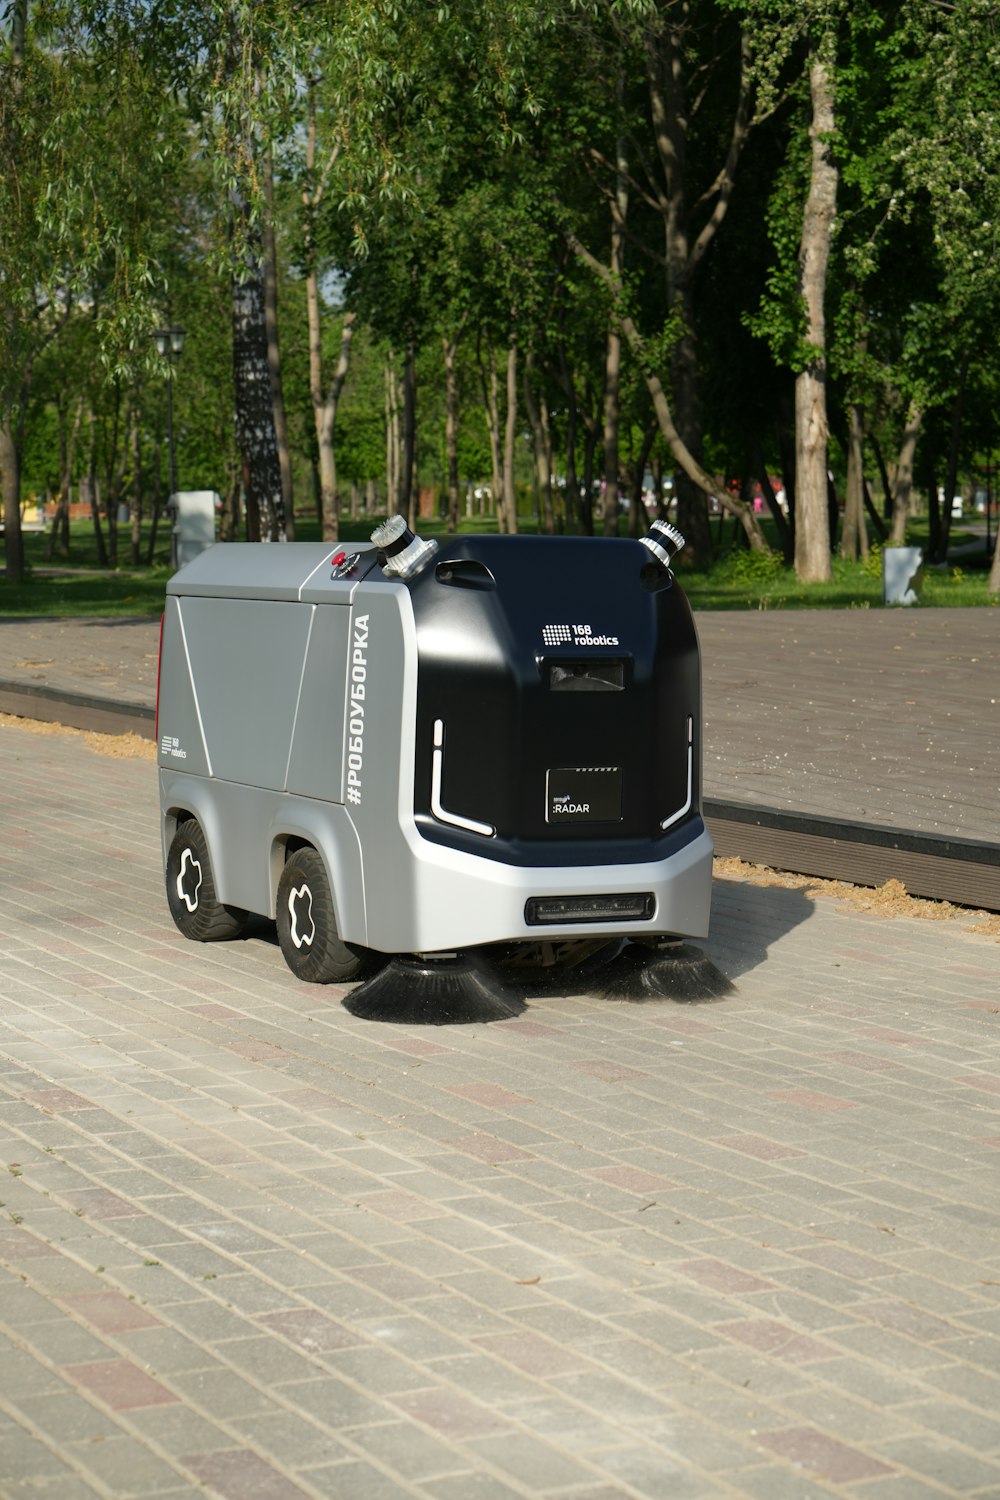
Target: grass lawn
<point>738,580</point>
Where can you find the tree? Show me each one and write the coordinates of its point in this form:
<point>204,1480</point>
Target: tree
<point>812,533</point>
<point>85,250</point>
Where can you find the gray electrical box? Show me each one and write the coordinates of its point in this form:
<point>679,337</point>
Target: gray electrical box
<point>194,513</point>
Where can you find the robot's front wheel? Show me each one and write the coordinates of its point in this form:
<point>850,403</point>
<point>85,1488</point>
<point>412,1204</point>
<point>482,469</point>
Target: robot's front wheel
<point>307,927</point>
<point>194,906</point>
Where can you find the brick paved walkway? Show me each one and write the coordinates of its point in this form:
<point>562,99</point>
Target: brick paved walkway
<point>254,1247</point>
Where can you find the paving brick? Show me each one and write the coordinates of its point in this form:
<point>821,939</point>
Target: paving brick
<point>241,1474</point>
<point>933,1459</point>
<point>825,1456</point>
<point>119,1383</point>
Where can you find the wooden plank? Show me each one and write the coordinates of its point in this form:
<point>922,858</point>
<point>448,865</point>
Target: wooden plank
<point>76,710</point>
<point>964,871</point>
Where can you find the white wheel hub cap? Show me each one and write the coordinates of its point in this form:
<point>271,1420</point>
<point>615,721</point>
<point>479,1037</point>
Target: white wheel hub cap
<point>303,928</point>
<point>189,881</point>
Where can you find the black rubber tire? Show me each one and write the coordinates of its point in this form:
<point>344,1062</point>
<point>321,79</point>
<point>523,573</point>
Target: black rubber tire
<point>307,926</point>
<point>194,906</point>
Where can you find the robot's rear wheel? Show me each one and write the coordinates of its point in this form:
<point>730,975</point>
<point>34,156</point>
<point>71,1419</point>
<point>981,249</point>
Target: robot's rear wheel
<point>307,925</point>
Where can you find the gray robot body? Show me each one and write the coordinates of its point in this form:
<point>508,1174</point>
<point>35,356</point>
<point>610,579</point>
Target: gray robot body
<point>503,748</point>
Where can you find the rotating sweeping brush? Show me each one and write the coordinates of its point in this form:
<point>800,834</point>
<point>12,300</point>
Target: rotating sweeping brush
<point>452,990</point>
<point>669,971</point>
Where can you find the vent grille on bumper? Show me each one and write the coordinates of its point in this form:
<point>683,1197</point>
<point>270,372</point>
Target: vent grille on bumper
<point>634,906</point>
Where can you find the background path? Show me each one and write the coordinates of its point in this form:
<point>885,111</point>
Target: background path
<point>881,716</point>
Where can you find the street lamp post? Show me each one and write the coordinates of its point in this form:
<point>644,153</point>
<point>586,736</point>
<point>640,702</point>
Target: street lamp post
<point>169,343</point>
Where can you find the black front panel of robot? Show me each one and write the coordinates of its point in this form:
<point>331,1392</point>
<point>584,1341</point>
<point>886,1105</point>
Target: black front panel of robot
<point>558,687</point>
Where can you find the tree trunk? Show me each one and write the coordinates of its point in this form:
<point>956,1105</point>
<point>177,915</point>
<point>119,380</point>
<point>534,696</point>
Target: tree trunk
<point>93,494</point>
<point>9,419</point>
<point>255,434</point>
<point>587,495</point>
<point>854,539</point>
<point>408,489</point>
<point>229,517</point>
<point>115,482</point>
<point>253,508</point>
<point>135,547</point>
<point>812,534</point>
<point>10,466</point>
<point>391,436</point>
<point>545,428</point>
<point>541,441</point>
<point>58,537</point>
<point>324,401</point>
<point>510,434</point>
<point>902,493</point>
<point>325,404</point>
<point>157,504</point>
<point>771,500</point>
<point>666,64</point>
<point>638,519</point>
<point>613,345</point>
<point>951,478</point>
<point>993,586</point>
<point>878,525</point>
<point>572,483</point>
<point>450,349</point>
<point>491,409</point>
<point>274,348</point>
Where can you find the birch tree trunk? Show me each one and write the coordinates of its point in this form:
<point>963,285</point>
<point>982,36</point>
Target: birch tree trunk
<point>812,531</point>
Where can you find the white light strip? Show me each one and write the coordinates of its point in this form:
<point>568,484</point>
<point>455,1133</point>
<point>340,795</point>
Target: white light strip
<point>437,764</point>
<point>676,817</point>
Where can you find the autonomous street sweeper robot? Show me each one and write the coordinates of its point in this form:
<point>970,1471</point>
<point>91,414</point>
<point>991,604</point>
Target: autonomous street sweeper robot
<point>429,762</point>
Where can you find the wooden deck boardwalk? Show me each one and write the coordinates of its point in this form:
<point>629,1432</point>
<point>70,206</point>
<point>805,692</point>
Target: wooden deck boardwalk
<point>885,717</point>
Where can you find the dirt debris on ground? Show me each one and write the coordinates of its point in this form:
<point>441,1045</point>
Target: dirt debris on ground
<point>889,900</point>
<point>118,746</point>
